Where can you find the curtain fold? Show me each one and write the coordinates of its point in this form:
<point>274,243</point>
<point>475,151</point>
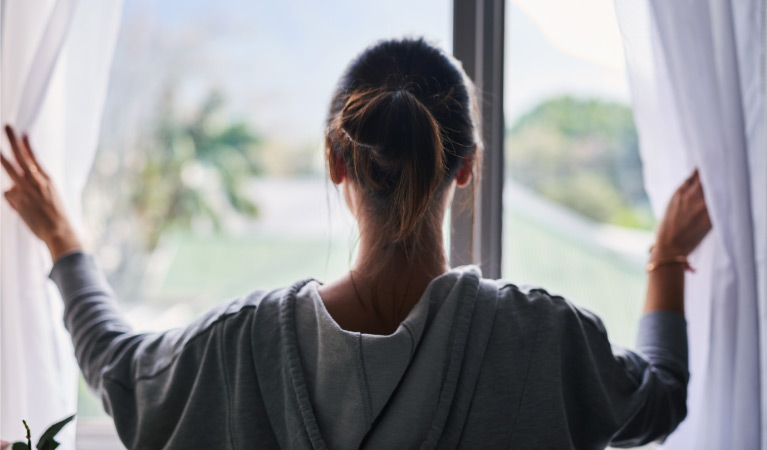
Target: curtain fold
<point>696,71</point>
<point>54,67</point>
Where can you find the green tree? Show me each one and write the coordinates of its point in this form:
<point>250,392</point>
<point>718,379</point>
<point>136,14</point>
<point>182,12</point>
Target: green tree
<point>194,169</point>
<point>583,154</point>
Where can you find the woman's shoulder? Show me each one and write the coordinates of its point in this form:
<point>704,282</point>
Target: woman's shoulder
<point>258,302</point>
<point>264,298</point>
<point>550,308</point>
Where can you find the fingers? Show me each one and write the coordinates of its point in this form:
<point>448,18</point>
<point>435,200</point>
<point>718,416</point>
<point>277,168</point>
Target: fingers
<point>696,194</point>
<point>11,202</point>
<point>694,187</point>
<point>14,197</point>
<point>36,176</point>
<point>31,175</point>
<point>687,183</point>
<point>21,159</point>
<point>31,155</point>
<point>17,179</point>
<point>690,181</point>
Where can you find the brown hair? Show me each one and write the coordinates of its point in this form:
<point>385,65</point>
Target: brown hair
<point>402,121</point>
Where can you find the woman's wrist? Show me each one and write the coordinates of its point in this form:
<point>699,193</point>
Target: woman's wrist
<point>661,249</point>
<point>62,242</point>
<point>665,289</point>
<point>666,266</point>
<point>662,255</point>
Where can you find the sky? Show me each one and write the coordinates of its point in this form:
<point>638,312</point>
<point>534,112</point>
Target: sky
<point>556,47</point>
<point>277,62</point>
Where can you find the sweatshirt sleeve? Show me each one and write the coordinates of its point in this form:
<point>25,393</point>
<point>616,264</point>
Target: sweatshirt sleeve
<point>152,384</point>
<point>660,365</point>
<point>91,314</point>
<point>634,397</point>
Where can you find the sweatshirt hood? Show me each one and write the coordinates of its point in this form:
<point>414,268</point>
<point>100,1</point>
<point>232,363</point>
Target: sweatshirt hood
<point>332,388</point>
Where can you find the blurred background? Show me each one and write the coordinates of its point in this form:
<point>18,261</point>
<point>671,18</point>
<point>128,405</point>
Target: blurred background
<point>209,181</point>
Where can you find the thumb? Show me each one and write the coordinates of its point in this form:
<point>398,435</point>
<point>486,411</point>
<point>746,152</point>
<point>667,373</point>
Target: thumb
<point>10,196</point>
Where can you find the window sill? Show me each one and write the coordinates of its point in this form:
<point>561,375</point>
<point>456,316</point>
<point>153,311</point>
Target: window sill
<point>97,435</point>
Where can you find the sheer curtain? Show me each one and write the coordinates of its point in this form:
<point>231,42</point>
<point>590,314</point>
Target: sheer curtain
<point>696,70</point>
<point>54,68</point>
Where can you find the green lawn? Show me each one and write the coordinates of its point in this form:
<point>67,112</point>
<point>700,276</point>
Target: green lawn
<point>224,267</point>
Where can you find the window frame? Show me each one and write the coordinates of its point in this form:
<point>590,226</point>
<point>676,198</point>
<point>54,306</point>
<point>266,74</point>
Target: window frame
<point>477,228</point>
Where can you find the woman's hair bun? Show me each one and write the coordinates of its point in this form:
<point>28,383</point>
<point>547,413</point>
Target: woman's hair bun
<point>395,148</point>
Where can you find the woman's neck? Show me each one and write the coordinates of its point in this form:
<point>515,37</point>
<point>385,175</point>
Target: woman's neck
<point>385,282</point>
<point>426,259</point>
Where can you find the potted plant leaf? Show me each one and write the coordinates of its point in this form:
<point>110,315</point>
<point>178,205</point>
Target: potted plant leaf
<point>46,442</point>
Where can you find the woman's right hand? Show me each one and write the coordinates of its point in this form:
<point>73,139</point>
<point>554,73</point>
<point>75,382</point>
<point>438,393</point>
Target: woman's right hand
<point>686,221</point>
<point>36,199</point>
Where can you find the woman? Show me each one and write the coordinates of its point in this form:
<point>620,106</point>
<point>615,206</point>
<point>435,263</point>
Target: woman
<point>403,351</point>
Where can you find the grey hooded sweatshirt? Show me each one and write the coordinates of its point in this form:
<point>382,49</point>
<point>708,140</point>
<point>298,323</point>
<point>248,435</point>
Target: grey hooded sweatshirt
<point>477,363</point>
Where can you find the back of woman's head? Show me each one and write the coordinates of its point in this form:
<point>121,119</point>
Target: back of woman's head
<point>402,121</point>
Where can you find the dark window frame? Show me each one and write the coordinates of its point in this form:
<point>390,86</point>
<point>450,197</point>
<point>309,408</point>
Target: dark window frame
<point>478,42</point>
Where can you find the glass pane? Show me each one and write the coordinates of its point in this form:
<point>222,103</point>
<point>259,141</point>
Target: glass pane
<point>576,218</point>
<point>209,181</point>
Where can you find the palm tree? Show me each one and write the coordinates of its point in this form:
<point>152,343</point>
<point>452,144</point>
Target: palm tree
<point>193,170</point>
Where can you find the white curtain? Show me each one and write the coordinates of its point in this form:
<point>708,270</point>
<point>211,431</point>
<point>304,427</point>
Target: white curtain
<point>697,75</point>
<point>54,67</point>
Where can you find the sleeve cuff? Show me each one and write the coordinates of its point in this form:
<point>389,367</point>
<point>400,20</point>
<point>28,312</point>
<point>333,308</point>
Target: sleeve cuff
<point>75,271</point>
<point>663,336</point>
<point>70,252</point>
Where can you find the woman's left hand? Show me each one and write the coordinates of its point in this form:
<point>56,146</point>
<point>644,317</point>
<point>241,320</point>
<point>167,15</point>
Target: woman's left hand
<point>35,198</point>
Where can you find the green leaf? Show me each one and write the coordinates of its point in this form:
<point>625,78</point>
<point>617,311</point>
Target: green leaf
<point>46,441</point>
<point>19,446</point>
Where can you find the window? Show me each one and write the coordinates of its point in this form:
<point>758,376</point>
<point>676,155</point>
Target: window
<point>209,181</point>
<point>576,218</point>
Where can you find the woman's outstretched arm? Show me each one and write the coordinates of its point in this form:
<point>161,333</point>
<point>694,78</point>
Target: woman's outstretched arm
<point>662,338</point>
<point>164,390</point>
